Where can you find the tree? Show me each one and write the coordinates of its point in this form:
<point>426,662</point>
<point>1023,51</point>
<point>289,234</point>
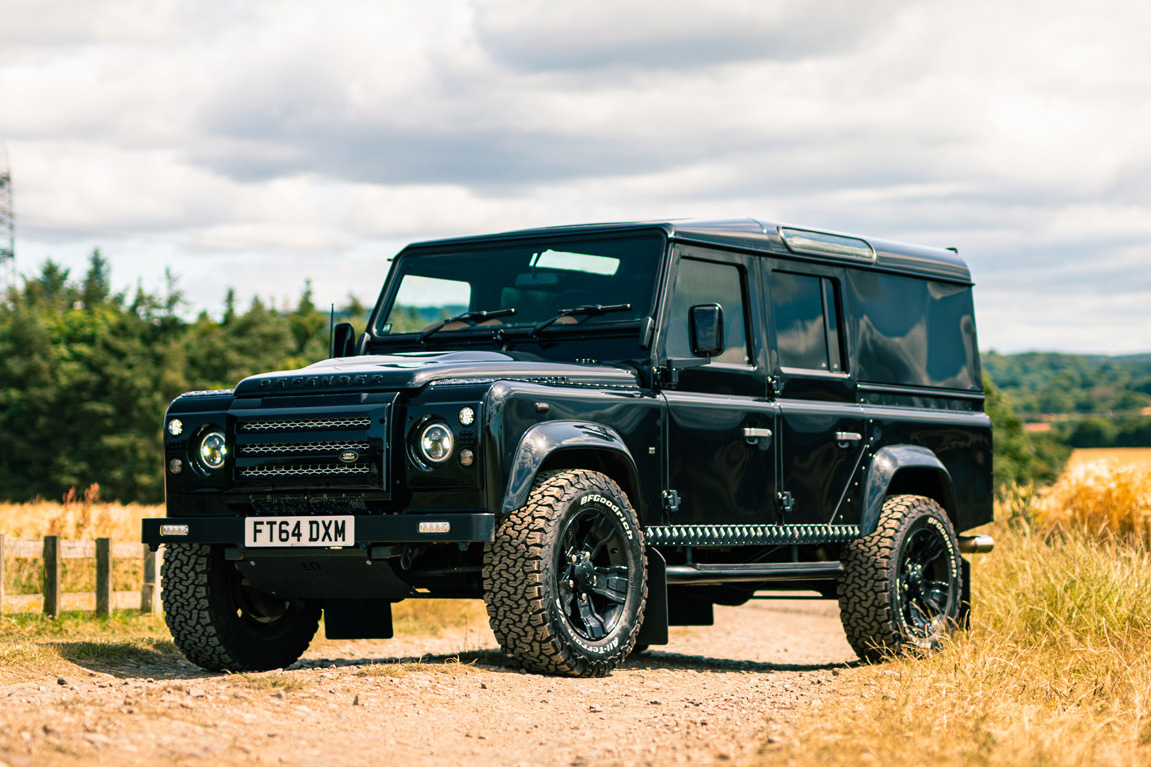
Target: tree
<point>1020,457</point>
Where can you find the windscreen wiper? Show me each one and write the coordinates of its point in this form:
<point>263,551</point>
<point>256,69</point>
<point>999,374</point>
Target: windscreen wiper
<point>587,310</point>
<point>469,317</point>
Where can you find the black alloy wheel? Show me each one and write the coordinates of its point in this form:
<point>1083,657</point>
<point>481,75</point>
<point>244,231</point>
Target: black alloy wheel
<point>565,580</point>
<point>902,588</point>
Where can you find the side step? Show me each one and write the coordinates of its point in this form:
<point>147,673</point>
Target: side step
<point>762,572</point>
<point>748,535</point>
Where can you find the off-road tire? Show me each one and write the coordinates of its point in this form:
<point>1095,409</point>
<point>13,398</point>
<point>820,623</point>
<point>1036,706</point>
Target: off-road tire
<point>902,588</point>
<point>533,588</point>
<point>222,623</point>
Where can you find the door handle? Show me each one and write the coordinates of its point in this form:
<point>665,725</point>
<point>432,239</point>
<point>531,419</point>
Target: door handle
<point>843,437</point>
<point>754,435</point>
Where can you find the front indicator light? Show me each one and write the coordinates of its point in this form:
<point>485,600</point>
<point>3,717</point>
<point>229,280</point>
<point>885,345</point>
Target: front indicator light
<point>175,466</point>
<point>436,443</point>
<point>213,450</point>
<point>467,458</point>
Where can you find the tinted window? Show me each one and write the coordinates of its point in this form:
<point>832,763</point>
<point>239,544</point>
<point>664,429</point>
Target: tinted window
<point>807,325</point>
<point>708,282</point>
<point>914,332</point>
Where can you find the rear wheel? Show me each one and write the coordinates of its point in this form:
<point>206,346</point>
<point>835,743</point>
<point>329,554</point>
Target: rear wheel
<point>565,579</point>
<point>223,623</point>
<point>903,584</point>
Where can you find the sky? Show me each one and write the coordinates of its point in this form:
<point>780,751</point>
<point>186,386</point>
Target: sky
<point>257,145</point>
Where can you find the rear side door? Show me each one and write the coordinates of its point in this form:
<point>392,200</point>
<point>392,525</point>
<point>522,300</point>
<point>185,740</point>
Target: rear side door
<point>821,439</point>
<point>720,427</point>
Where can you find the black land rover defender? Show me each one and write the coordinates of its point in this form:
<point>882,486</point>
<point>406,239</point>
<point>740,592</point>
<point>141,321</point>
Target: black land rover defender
<point>620,427</point>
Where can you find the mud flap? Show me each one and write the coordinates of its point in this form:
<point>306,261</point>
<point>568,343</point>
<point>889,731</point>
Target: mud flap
<point>963,620</point>
<point>358,618</point>
<point>654,628</point>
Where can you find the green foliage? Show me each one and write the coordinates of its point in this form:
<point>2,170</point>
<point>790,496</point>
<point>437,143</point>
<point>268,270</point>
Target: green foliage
<point>85,376</point>
<point>1040,382</point>
<point>1021,457</point>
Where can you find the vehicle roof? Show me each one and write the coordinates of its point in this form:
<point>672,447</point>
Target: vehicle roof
<point>754,235</point>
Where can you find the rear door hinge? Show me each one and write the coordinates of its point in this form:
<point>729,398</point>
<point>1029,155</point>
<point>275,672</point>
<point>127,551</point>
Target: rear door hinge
<point>670,501</point>
<point>785,501</point>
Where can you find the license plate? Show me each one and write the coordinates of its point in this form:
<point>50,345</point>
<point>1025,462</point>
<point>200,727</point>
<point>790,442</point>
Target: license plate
<point>263,532</point>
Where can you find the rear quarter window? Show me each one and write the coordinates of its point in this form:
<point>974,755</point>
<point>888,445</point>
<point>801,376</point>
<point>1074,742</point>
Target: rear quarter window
<point>913,332</point>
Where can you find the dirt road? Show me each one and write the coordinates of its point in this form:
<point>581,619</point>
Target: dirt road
<point>714,694</point>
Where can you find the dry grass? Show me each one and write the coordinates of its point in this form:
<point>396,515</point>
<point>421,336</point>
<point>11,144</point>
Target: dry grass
<point>78,516</point>
<point>432,617</point>
<point>32,646</point>
<point>1104,499</point>
<point>1056,669</point>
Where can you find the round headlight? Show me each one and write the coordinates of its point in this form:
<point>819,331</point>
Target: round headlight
<point>436,442</point>
<point>213,450</point>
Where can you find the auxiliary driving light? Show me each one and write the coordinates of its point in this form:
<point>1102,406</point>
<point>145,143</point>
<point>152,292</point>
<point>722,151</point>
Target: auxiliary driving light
<point>175,427</point>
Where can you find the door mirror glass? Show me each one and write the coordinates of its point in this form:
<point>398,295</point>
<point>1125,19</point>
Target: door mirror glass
<point>707,330</point>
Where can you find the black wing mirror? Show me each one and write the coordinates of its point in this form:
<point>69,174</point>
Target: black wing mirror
<point>343,340</point>
<point>706,325</point>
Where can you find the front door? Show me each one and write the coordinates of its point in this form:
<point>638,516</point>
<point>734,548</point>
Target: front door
<point>720,427</point>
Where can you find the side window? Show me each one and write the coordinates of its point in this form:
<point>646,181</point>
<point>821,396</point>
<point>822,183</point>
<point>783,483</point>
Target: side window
<point>807,327</point>
<point>707,282</point>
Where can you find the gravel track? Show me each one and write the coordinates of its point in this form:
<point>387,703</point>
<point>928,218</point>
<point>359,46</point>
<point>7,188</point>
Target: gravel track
<point>714,695</point>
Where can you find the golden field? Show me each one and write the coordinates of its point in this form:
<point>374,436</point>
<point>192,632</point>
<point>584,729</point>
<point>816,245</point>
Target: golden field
<point>78,516</point>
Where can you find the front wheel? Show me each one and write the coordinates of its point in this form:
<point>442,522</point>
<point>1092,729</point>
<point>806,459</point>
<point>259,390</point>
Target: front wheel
<point>903,584</point>
<point>223,623</point>
<point>565,580</point>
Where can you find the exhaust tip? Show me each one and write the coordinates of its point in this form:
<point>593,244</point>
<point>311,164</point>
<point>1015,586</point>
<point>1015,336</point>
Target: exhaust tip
<point>976,544</point>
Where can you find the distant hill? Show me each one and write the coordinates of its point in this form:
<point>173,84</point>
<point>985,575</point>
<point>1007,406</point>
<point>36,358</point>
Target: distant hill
<point>1052,384</point>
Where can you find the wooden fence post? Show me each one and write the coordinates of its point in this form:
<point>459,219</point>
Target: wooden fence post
<point>52,572</point>
<point>103,576</point>
<point>1,573</point>
<point>148,592</point>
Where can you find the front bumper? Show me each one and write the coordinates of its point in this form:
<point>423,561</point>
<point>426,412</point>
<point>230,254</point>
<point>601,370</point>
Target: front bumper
<point>400,528</point>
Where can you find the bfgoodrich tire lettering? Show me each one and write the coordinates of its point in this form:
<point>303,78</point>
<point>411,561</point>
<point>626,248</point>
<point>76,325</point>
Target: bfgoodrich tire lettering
<point>221,623</point>
<point>565,580</point>
<point>902,586</point>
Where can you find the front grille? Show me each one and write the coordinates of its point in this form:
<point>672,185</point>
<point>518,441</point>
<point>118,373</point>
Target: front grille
<point>306,424</point>
<point>304,470</point>
<point>312,449</point>
<point>297,448</point>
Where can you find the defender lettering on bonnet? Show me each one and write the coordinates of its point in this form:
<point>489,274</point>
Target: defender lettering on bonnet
<point>626,423</point>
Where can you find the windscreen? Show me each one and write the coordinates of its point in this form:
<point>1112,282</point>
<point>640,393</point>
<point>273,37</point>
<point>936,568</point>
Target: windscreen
<point>539,279</point>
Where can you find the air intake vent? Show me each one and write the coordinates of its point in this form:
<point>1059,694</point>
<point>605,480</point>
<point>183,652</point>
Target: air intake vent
<point>304,470</point>
<point>306,424</point>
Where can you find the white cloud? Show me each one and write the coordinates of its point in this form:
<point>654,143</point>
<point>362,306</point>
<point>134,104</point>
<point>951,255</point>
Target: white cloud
<point>288,139</point>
